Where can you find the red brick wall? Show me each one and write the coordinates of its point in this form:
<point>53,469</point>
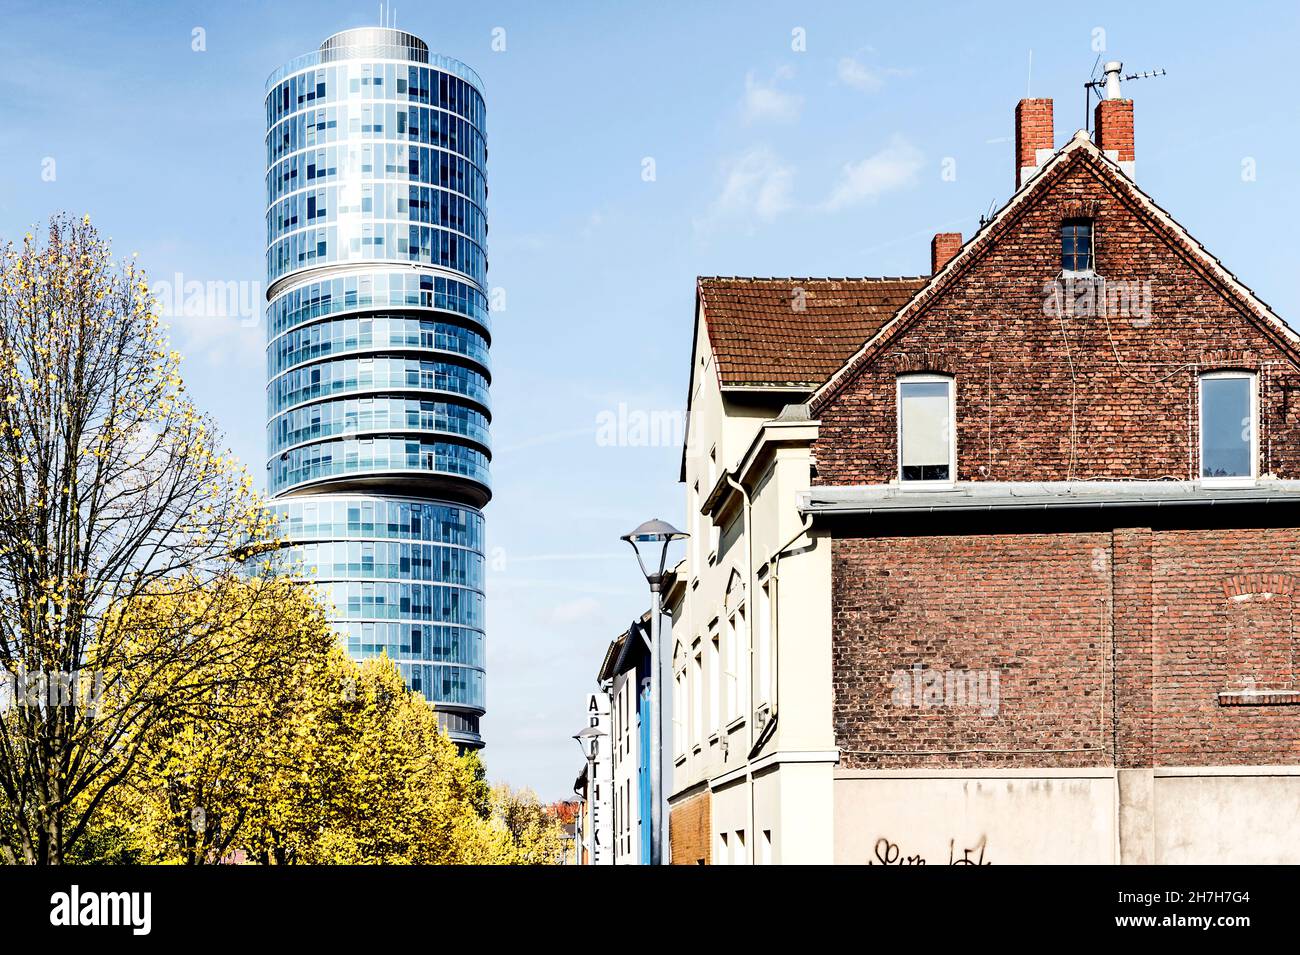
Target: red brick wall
<point>1207,641</point>
<point>963,603</point>
<point>1111,646</point>
<point>1042,397</point>
<point>690,825</point>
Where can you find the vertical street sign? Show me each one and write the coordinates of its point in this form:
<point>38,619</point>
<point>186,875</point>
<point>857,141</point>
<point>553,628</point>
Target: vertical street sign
<point>601,783</point>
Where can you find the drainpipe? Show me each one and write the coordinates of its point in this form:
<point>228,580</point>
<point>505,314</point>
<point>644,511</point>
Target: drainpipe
<point>774,577</point>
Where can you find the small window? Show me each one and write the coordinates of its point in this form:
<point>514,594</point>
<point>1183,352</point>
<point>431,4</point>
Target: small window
<point>1228,432</point>
<point>1076,245</point>
<point>926,451</point>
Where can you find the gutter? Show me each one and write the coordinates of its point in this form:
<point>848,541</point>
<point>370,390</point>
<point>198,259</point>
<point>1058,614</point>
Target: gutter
<point>831,509</point>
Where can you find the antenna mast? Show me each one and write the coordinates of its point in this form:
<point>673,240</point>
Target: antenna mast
<point>1109,81</point>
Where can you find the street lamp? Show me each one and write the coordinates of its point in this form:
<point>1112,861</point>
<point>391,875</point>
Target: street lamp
<point>589,740</point>
<point>651,533</point>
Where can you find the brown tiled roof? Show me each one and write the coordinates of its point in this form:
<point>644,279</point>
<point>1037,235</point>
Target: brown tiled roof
<point>761,336</point>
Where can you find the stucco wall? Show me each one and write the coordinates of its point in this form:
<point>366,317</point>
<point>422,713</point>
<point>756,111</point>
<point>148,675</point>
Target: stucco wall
<point>1191,815</point>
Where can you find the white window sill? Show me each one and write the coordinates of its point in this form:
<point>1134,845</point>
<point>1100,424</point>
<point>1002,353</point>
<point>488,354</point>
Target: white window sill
<point>926,485</point>
<point>1229,482</point>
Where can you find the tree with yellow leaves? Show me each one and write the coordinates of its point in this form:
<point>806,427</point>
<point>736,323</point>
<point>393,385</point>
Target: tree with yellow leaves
<point>338,763</point>
<point>114,491</point>
<point>207,773</point>
<point>536,830</point>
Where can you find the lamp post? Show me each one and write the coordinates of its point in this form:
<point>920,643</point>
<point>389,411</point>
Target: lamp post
<point>651,533</point>
<point>589,740</point>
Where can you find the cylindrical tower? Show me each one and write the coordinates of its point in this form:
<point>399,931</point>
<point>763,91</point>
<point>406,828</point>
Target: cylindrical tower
<point>377,351</point>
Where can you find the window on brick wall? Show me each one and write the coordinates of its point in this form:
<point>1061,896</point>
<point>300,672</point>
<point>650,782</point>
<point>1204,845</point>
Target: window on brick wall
<point>1229,413</point>
<point>1076,245</point>
<point>927,452</point>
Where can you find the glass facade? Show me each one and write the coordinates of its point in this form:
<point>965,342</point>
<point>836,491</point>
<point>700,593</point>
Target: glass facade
<point>377,352</point>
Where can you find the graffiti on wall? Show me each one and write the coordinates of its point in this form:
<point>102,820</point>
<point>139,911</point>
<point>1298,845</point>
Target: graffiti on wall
<point>888,852</point>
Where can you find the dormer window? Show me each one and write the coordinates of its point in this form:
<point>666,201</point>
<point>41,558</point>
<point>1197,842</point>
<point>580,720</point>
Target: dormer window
<point>1076,245</point>
<point>927,453</point>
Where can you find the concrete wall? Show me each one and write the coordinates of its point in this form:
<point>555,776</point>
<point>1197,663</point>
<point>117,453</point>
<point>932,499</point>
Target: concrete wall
<point>1068,816</point>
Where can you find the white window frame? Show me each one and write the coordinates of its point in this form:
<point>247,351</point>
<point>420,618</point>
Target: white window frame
<point>715,682</point>
<point>1235,480</point>
<point>696,681</point>
<point>679,729</point>
<point>924,377</point>
<point>739,632</point>
<point>696,559</point>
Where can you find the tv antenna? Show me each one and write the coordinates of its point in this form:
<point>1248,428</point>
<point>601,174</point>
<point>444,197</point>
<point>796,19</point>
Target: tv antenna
<point>1107,85</point>
<point>987,217</point>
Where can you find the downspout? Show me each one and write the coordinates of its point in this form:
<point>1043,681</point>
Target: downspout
<point>774,610</point>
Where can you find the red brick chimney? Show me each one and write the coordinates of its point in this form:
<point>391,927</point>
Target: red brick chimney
<point>942,248</point>
<point>1114,125</point>
<point>1034,137</point>
<point>1114,121</point>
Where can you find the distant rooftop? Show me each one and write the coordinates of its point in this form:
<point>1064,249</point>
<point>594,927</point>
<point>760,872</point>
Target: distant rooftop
<point>795,332</point>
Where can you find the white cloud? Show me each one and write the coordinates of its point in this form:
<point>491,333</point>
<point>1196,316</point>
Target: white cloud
<point>764,101</point>
<point>866,79</point>
<point>757,187</point>
<point>893,167</point>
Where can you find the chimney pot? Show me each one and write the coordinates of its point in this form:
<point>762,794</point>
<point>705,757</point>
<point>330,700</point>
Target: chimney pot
<point>1034,137</point>
<point>1112,69</point>
<point>942,248</point>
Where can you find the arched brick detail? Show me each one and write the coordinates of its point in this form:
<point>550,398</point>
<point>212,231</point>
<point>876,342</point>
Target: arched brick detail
<point>1227,360</point>
<point>912,363</point>
<point>1079,208</point>
<point>1243,584</point>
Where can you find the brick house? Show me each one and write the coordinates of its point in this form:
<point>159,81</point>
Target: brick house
<point>996,564</point>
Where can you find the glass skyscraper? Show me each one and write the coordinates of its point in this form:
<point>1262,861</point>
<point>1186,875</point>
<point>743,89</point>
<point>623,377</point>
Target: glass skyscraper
<point>377,351</point>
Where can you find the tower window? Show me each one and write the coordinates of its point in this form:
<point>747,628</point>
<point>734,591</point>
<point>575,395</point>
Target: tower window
<point>1076,245</point>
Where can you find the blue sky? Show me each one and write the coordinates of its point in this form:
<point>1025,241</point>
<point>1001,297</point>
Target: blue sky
<point>765,160</point>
